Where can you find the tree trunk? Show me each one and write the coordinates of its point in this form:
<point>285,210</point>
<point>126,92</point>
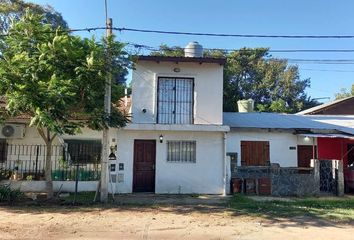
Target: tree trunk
<point>48,161</point>
<point>48,171</point>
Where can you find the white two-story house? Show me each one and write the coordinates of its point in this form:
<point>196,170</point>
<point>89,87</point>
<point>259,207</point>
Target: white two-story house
<point>175,142</point>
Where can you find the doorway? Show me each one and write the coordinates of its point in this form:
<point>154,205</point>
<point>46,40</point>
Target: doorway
<point>144,166</point>
<point>304,155</point>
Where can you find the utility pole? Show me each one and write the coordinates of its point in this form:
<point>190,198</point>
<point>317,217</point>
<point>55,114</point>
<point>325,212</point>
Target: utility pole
<point>107,110</point>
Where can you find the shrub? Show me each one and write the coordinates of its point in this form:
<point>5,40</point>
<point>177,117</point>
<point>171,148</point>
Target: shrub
<point>9,195</point>
<point>4,174</point>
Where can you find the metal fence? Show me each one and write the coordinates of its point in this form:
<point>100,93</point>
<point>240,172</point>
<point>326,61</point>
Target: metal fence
<point>27,162</point>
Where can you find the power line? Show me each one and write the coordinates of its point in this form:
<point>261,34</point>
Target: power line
<point>326,70</point>
<point>89,29</point>
<point>121,29</point>
<point>235,35</point>
<point>308,61</point>
<point>319,61</point>
<point>137,45</point>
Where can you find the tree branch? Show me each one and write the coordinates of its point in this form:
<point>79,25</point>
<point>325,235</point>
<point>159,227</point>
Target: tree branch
<point>42,134</point>
<point>48,136</point>
<point>52,138</point>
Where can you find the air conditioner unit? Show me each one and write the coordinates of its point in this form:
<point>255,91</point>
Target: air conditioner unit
<point>12,131</point>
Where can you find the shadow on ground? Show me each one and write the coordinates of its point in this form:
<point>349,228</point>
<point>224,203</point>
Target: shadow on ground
<point>304,212</point>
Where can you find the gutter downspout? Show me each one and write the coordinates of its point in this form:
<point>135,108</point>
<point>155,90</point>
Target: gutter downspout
<point>225,173</point>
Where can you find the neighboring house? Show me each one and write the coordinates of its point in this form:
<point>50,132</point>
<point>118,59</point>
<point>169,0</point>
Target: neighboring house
<point>344,106</point>
<point>260,139</point>
<point>341,114</point>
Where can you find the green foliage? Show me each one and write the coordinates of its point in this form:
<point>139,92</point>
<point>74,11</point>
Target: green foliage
<point>13,10</point>
<point>273,84</point>
<point>58,79</point>
<point>344,93</point>
<point>9,195</point>
<point>165,50</point>
<point>29,178</point>
<point>5,174</point>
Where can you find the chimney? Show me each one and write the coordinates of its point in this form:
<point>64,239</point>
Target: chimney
<point>193,49</point>
<point>245,106</point>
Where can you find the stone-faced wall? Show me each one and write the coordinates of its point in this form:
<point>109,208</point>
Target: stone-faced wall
<point>290,182</point>
<point>283,181</point>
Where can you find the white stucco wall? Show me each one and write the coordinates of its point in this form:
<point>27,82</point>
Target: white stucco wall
<point>208,90</point>
<point>204,176</point>
<point>279,143</point>
<point>32,137</point>
<point>309,141</point>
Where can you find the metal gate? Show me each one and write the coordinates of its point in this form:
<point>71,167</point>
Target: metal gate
<point>329,176</point>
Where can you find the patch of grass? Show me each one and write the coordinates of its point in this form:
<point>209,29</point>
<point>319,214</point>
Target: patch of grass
<point>333,209</point>
<point>9,195</point>
<point>82,198</point>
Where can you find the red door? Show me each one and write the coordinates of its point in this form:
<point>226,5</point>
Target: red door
<point>144,166</point>
<point>305,154</point>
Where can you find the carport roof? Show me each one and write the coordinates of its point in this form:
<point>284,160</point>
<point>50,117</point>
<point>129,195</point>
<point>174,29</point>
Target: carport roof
<point>327,135</point>
<point>343,123</point>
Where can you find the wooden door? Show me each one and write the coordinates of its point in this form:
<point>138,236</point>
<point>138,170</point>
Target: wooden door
<point>3,154</point>
<point>144,166</point>
<point>305,154</point>
<point>255,153</point>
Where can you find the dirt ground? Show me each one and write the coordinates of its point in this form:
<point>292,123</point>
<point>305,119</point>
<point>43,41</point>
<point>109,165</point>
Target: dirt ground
<point>189,219</point>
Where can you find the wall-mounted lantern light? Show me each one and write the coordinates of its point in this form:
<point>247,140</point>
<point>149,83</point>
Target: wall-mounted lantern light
<point>307,139</point>
<point>161,138</point>
<point>112,156</point>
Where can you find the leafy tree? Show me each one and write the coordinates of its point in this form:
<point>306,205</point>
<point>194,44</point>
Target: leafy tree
<point>165,50</point>
<point>344,93</point>
<point>13,10</point>
<point>58,80</point>
<point>273,84</point>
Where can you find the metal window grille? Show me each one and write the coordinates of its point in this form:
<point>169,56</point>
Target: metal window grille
<point>29,161</point>
<point>84,151</point>
<point>181,151</point>
<point>3,150</point>
<point>175,100</point>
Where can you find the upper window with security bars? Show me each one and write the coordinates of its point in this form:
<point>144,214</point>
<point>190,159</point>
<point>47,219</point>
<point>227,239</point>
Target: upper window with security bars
<point>175,100</point>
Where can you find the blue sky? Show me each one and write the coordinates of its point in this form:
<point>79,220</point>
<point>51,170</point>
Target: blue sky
<point>278,17</point>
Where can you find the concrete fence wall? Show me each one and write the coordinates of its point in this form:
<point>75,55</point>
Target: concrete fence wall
<point>63,186</point>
